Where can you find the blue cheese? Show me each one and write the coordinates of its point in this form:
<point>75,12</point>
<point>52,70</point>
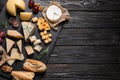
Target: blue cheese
<point>28,29</point>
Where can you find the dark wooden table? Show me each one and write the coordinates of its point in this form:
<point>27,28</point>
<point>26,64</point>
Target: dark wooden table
<point>88,47</point>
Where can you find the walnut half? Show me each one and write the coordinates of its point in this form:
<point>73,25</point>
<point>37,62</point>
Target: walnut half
<point>6,68</point>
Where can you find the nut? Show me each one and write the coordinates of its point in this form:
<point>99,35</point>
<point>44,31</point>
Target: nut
<point>6,68</point>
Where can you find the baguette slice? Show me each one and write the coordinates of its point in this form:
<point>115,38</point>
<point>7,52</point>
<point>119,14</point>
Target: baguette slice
<point>14,33</point>
<point>34,66</point>
<point>22,75</point>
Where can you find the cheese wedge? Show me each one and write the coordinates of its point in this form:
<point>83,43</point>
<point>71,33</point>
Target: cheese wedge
<point>9,44</point>
<point>14,33</point>
<point>54,13</point>
<point>28,29</point>
<point>25,15</point>
<point>19,44</point>
<point>12,6</point>
<point>15,55</point>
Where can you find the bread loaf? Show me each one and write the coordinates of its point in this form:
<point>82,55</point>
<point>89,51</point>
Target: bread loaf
<point>34,66</point>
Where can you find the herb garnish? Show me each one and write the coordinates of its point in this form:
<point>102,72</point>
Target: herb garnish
<point>5,24</point>
<point>44,52</point>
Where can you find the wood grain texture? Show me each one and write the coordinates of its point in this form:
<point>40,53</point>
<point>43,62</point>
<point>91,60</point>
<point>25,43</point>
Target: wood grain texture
<point>88,47</point>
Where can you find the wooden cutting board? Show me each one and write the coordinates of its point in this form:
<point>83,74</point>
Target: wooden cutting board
<point>18,65</point>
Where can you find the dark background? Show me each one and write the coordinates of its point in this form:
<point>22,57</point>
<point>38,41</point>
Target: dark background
<point>88,47</point>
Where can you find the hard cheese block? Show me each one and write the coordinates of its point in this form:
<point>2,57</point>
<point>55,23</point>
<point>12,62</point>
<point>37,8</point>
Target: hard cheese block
<point>12,6</point>
<point>25,15</point>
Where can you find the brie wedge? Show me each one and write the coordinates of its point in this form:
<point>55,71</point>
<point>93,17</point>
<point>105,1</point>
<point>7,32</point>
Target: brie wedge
<point>54,13</point>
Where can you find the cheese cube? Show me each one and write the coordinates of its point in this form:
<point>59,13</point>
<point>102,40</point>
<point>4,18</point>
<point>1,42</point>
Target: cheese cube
<point>38,48</point>
<point>50,35</point>
<point>46,36</point>
<point>46,41</point>
<point>41,33</point>
<point>35,19</point>
<point>32,39</point>
<point>49,39</point>
<point>45,32</point>
<point>29,50</point>
<point>37,41</point>
<point>43,37</point>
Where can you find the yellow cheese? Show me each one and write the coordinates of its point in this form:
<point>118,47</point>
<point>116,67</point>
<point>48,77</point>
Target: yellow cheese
<point>12,6</point>
<point>14,33</point>
<point>9,44</point>
<point>35,19</point>
<point>25,15</point>
<point>15,55</point>
<point>19,44</point>
<point>29,50</point>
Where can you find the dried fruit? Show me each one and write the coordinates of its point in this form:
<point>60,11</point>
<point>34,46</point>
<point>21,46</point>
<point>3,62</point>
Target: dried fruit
<point>13,22</point>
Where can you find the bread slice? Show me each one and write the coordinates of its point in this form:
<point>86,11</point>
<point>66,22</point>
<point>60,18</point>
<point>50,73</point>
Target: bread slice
<point>19,44</point>
<point>34,66</point>
<point>28,29</point>
<point>9,44</point>
<point>23,75</point>
<point>14,33</point>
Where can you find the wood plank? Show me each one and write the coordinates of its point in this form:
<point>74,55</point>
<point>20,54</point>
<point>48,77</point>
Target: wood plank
<point>90,5</point>
<point>89,37</point>
<point>85,54</point>
<point>83,71</point>
<point>93,20</point>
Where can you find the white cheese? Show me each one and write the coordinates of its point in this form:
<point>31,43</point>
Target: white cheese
<point>32,39</point>
<point>54,13</point>
<point>37,41</point>
<point>38,48</point>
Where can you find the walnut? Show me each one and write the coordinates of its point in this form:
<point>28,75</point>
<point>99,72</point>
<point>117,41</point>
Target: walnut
<point>6,68</point>
<point>39,6</point>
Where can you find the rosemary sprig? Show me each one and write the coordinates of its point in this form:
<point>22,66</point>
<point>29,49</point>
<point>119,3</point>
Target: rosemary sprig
<point>44,52</point>
<point>5,24</point>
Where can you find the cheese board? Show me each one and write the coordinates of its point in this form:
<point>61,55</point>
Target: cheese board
<point>25,37</point>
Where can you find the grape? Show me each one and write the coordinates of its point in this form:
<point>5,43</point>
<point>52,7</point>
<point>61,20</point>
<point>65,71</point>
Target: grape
<point>1,40</point>
<point>2,34</point>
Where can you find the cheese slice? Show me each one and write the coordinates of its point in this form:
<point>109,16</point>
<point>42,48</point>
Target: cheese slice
<point>9,44</point>
<point>12,6</point>
<point>25,15</point>
<point>15,55</point>
<point>19,44</point>
<point>14,33</point>
<point>28,29</point>
<point>54,13</point>
<point>29,50</point>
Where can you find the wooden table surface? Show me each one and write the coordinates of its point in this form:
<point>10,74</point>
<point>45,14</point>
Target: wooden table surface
<point>88,47</point>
